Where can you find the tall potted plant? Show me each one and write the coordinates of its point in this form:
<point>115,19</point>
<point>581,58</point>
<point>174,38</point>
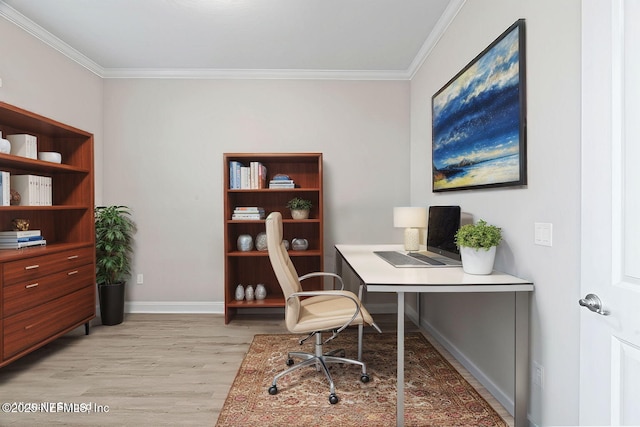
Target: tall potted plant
<point>114,240</point>
<point>477,243</point>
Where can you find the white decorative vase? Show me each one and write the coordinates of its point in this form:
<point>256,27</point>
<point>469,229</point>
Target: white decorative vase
<point>300,213</point>
<point>239,293</point>
<point>261,291</point>
<point>299,244</point>
<point>245,242</point>
<point>249,293</point>
<point>477,261</point>
<point>261,241</point>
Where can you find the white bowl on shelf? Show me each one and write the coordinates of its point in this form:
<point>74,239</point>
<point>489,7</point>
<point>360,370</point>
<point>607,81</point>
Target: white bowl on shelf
<point>50,156</point>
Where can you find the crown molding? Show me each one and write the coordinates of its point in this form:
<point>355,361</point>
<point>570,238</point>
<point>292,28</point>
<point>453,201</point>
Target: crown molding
<point>449,14</point>
<point>12,15</point>
<point>43,35</point>
<point>114,73</point>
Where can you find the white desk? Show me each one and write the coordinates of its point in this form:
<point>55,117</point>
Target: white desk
<point>379,276</point>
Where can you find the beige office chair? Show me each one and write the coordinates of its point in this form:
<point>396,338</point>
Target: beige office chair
<point>313,312</point>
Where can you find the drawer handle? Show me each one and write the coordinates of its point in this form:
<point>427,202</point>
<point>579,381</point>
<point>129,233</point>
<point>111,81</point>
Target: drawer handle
<point>31,267</point>
<point>33,285</point>
<point>72,257</point>
<point>71,273</point>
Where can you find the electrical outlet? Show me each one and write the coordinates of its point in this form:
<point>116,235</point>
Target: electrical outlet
<point>140,280</point>
<point>538,375</point>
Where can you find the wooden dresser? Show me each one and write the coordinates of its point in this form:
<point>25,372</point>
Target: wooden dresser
<point>47,291</point>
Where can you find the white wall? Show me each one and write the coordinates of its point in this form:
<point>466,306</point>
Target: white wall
<point>163,151</point>
<point>552,195</point>
<point>42,80</point>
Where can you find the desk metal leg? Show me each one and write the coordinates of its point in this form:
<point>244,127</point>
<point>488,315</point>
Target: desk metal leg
<point>521,377</point>
<point>400,381</point>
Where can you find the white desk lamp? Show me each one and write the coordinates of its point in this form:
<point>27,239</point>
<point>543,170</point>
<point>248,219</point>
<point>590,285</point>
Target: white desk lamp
<point>412,219</point>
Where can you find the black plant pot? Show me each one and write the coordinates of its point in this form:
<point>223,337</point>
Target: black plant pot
<point>111,303</point>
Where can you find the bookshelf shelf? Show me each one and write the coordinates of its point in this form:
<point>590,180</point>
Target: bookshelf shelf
<point>53,286</point>
<point>253,267</point>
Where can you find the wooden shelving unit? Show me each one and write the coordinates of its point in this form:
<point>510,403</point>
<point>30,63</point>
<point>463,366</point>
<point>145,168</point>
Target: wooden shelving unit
<point>253,267</point>
<point>47,291</point>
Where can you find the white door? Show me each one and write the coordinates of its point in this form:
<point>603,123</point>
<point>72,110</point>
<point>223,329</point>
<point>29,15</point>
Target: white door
<point>610,342</point>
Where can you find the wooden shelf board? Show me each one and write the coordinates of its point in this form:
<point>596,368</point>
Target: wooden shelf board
<point>267,302</point>
<point>45,208</point>
<point>265,253</point>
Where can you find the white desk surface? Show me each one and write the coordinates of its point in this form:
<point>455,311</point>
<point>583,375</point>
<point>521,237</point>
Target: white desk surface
<point>380,276</point>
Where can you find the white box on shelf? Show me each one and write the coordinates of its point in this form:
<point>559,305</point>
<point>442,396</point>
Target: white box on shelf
<point>24,145</point>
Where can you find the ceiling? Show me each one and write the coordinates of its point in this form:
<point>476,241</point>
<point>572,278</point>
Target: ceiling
<point>120,38</point>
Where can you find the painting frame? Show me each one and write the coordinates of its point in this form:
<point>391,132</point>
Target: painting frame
<point>479,127</point>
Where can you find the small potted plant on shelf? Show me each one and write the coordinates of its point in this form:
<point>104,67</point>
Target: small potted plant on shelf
<point>299,208</point>
<point>114,240</point>
<point>477,243</point>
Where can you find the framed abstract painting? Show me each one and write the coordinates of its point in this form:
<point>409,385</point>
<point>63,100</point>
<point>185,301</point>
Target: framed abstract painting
<point>479,119</point>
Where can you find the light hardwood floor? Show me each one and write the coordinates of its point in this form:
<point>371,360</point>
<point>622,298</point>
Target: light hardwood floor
<point>152,370</point>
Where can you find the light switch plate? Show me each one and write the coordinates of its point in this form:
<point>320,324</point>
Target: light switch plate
<point>543,234</point>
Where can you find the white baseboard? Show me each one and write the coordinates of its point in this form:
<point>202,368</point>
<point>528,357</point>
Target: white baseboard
<point>176,307</point>
<point>491,387</point>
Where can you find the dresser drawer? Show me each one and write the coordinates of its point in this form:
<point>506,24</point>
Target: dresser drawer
<point>38,324</point>
<point>24,295</point>
<point>31,268</point>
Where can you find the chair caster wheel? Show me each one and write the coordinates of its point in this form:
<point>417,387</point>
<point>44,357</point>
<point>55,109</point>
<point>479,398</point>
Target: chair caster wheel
<point>273,390</point>
<point>364,378</point>
<point>333,399</point>
<point>289,362</point>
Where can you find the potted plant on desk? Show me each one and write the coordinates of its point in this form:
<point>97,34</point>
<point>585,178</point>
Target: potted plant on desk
<point>114,239</point>
<point>477,243</point>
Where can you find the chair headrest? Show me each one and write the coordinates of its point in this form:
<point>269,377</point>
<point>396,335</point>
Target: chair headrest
<point>274,226</point>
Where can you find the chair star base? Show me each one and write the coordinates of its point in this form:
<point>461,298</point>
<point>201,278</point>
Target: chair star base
<point>320,360</point>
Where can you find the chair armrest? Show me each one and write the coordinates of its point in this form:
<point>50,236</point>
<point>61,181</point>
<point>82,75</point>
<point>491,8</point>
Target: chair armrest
<point>321,274</point>
<point>343,294</point>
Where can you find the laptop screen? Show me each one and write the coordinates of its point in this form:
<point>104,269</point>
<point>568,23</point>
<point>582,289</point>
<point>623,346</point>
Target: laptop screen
<point>443,224</point>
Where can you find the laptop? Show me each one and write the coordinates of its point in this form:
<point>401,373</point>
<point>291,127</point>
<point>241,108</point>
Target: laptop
<point>443,223</point>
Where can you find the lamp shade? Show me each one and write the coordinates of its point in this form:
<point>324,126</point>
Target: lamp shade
<point>410,217</point>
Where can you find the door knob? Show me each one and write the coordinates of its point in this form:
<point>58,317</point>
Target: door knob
<point>593,303</point>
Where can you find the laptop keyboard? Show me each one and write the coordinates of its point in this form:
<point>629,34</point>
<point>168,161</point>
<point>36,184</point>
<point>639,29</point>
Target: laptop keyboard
<point>425,258</point>
<point>397,258</point>
<point>412,258</point>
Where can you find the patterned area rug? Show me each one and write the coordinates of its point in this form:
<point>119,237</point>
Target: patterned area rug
<point>435,393</point>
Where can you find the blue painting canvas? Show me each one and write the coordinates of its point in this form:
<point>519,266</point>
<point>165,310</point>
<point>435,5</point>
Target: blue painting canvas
<point>479,120</point>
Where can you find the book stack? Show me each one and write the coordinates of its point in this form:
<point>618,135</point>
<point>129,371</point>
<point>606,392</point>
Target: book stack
<point>281,181</point>
<point>248,213</point>
<point>34,190</point>
<point>21,239</point>
<point>244,177</point>
<point>24,145</point>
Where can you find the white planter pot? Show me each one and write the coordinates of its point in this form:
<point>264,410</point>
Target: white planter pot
<point>300,213</point>
<point>477,261</point>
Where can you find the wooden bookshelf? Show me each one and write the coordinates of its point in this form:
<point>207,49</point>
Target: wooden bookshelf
<point>46,291</point>
<point>253,267</point>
